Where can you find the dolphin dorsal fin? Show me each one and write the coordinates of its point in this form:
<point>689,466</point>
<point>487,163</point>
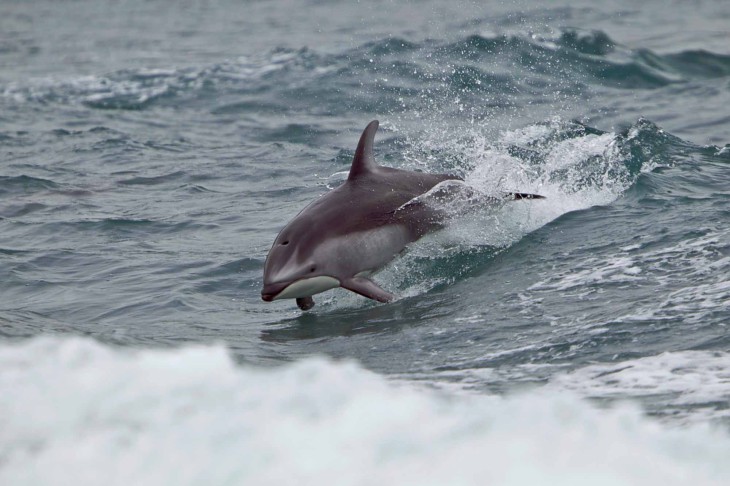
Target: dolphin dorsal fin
<point>364,162</point>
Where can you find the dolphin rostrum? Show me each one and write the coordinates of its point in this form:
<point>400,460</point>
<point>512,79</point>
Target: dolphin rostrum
<point>353,230</point>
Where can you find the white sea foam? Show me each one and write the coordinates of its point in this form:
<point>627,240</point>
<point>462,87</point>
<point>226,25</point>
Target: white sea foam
<point>127,88</point>
<point>76,412</point>
<point>689,385</point>
<point>692,276</point>
<point>573,174</point>
<point>93,89</point>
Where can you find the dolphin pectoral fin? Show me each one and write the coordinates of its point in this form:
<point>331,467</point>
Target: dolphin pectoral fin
<point>367,288</point>
<point>305,303</point>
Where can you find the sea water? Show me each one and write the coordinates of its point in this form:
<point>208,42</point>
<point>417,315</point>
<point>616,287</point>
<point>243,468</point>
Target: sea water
<point>151,151</point>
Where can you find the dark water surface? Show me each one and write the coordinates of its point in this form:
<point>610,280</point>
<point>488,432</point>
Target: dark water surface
<point>151,151</point>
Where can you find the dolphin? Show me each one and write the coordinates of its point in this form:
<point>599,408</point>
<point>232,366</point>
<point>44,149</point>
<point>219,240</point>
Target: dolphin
<point>353,230</point>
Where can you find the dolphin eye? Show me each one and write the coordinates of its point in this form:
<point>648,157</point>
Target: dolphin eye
<point>312,269</point>
<point>285,242</point>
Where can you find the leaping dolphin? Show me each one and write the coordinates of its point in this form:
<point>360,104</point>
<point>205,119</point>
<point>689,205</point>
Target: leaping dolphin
<point>353,230</point>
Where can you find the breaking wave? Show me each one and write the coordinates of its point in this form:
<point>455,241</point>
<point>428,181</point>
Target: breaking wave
<point>75,411</point>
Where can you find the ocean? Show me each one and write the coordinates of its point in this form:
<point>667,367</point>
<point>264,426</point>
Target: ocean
<point>151,151</point>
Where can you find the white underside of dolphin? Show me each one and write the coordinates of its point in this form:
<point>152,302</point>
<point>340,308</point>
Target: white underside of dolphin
<point>308,287</point>
<point>352,231</point>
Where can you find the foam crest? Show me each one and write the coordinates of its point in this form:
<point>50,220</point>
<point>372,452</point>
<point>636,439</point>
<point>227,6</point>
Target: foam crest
<point>76,411</point>
<point>686,385</point>
<point>137,88</point>
<point>573,166</point>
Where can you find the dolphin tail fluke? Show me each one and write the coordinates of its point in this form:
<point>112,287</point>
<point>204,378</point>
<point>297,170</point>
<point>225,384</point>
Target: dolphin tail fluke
<point>367,288</point>
<point>522,195</point>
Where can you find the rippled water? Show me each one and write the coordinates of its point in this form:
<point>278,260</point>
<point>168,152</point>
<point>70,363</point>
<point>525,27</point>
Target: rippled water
<point>151,151</point>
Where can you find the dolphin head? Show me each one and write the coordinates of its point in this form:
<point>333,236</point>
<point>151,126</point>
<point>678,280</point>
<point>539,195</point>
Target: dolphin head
<point>293,271</point>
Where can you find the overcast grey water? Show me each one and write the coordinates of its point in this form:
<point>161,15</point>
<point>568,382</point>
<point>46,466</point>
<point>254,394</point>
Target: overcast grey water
<point>151,151</point>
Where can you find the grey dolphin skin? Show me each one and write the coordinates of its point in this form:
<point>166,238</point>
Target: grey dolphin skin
<point>353,230</point>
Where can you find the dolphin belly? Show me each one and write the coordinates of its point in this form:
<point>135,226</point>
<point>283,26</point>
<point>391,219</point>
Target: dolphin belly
<point>363,252</point>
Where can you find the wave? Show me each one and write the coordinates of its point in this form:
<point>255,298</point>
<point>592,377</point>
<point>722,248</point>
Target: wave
<point>693,271</point>
<point>391,75</point>
<point>684,385</point>
<point>677,387</point>
<point>75,410</point>
<point>576,167</point>
<point>24,184</point>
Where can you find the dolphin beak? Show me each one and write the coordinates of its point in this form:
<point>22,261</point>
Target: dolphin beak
<point>300,288</point>
<point>271,290</point>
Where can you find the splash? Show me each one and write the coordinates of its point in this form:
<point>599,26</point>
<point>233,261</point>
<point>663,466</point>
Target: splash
<point>574,166</point>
